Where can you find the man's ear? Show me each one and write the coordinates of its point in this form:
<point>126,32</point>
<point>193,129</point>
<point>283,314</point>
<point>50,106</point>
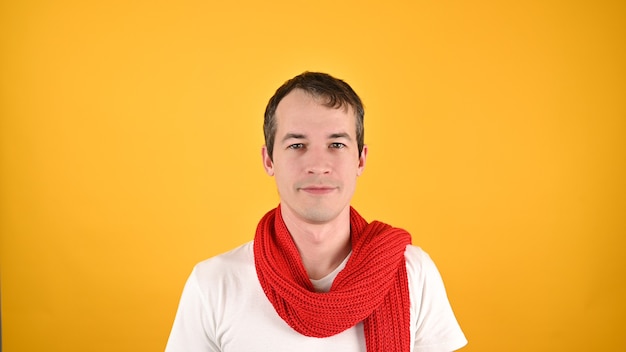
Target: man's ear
<point>362,159</point>
<point>268,164</point>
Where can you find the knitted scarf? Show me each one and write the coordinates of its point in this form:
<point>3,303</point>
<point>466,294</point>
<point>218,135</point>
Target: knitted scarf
<point>372,288</point>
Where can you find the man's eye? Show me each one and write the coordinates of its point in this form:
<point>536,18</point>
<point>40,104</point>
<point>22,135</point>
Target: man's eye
<point>296,146</point>
<point>337,145</point>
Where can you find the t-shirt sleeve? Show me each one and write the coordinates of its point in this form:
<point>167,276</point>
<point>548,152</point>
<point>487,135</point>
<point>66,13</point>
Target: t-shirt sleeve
<point>436,328</point>
<point>191,331</point>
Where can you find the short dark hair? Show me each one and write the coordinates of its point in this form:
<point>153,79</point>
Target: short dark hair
<point>337,93</point>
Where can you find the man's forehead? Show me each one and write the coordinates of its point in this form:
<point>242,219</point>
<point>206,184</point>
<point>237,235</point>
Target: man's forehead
<point>304,121</point>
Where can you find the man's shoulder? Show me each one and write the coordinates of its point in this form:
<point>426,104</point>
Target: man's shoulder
<point>418,262</point>
<point>416,254</point>
<point>237,261</point>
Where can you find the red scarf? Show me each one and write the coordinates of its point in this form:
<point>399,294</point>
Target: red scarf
<point>372,288</point>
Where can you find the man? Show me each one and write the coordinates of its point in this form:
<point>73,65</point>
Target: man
<point>317,276</point>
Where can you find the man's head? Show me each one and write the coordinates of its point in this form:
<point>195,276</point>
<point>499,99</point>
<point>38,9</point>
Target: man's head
<point>314,150</point>
<point>334,93</point>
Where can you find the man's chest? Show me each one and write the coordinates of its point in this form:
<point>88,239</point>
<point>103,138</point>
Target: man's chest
<point>247,321</point>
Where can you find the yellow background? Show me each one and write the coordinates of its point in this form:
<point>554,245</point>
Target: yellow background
<point>130,138</point>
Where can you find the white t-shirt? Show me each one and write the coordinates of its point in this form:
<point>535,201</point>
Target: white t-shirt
<point>223,308</point>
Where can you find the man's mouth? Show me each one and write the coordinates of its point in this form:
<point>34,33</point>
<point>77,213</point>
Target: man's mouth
<point>318,189</point>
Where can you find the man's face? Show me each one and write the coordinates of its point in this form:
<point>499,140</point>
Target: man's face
<point>316,160</point>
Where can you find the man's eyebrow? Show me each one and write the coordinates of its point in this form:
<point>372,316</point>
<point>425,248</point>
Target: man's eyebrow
<point>330,136</point>
<point>293,136</point>
<point>340,135</point>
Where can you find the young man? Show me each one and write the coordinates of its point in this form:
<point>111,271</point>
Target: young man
<point>317,276</point>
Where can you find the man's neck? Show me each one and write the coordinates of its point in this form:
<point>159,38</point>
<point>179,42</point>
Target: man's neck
<point>322,247</point>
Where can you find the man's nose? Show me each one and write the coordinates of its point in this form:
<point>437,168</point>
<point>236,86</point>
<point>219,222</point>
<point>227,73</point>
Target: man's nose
<point>318,162</point>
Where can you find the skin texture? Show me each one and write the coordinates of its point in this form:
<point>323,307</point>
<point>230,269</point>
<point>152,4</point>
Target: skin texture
<point>316,164</point>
